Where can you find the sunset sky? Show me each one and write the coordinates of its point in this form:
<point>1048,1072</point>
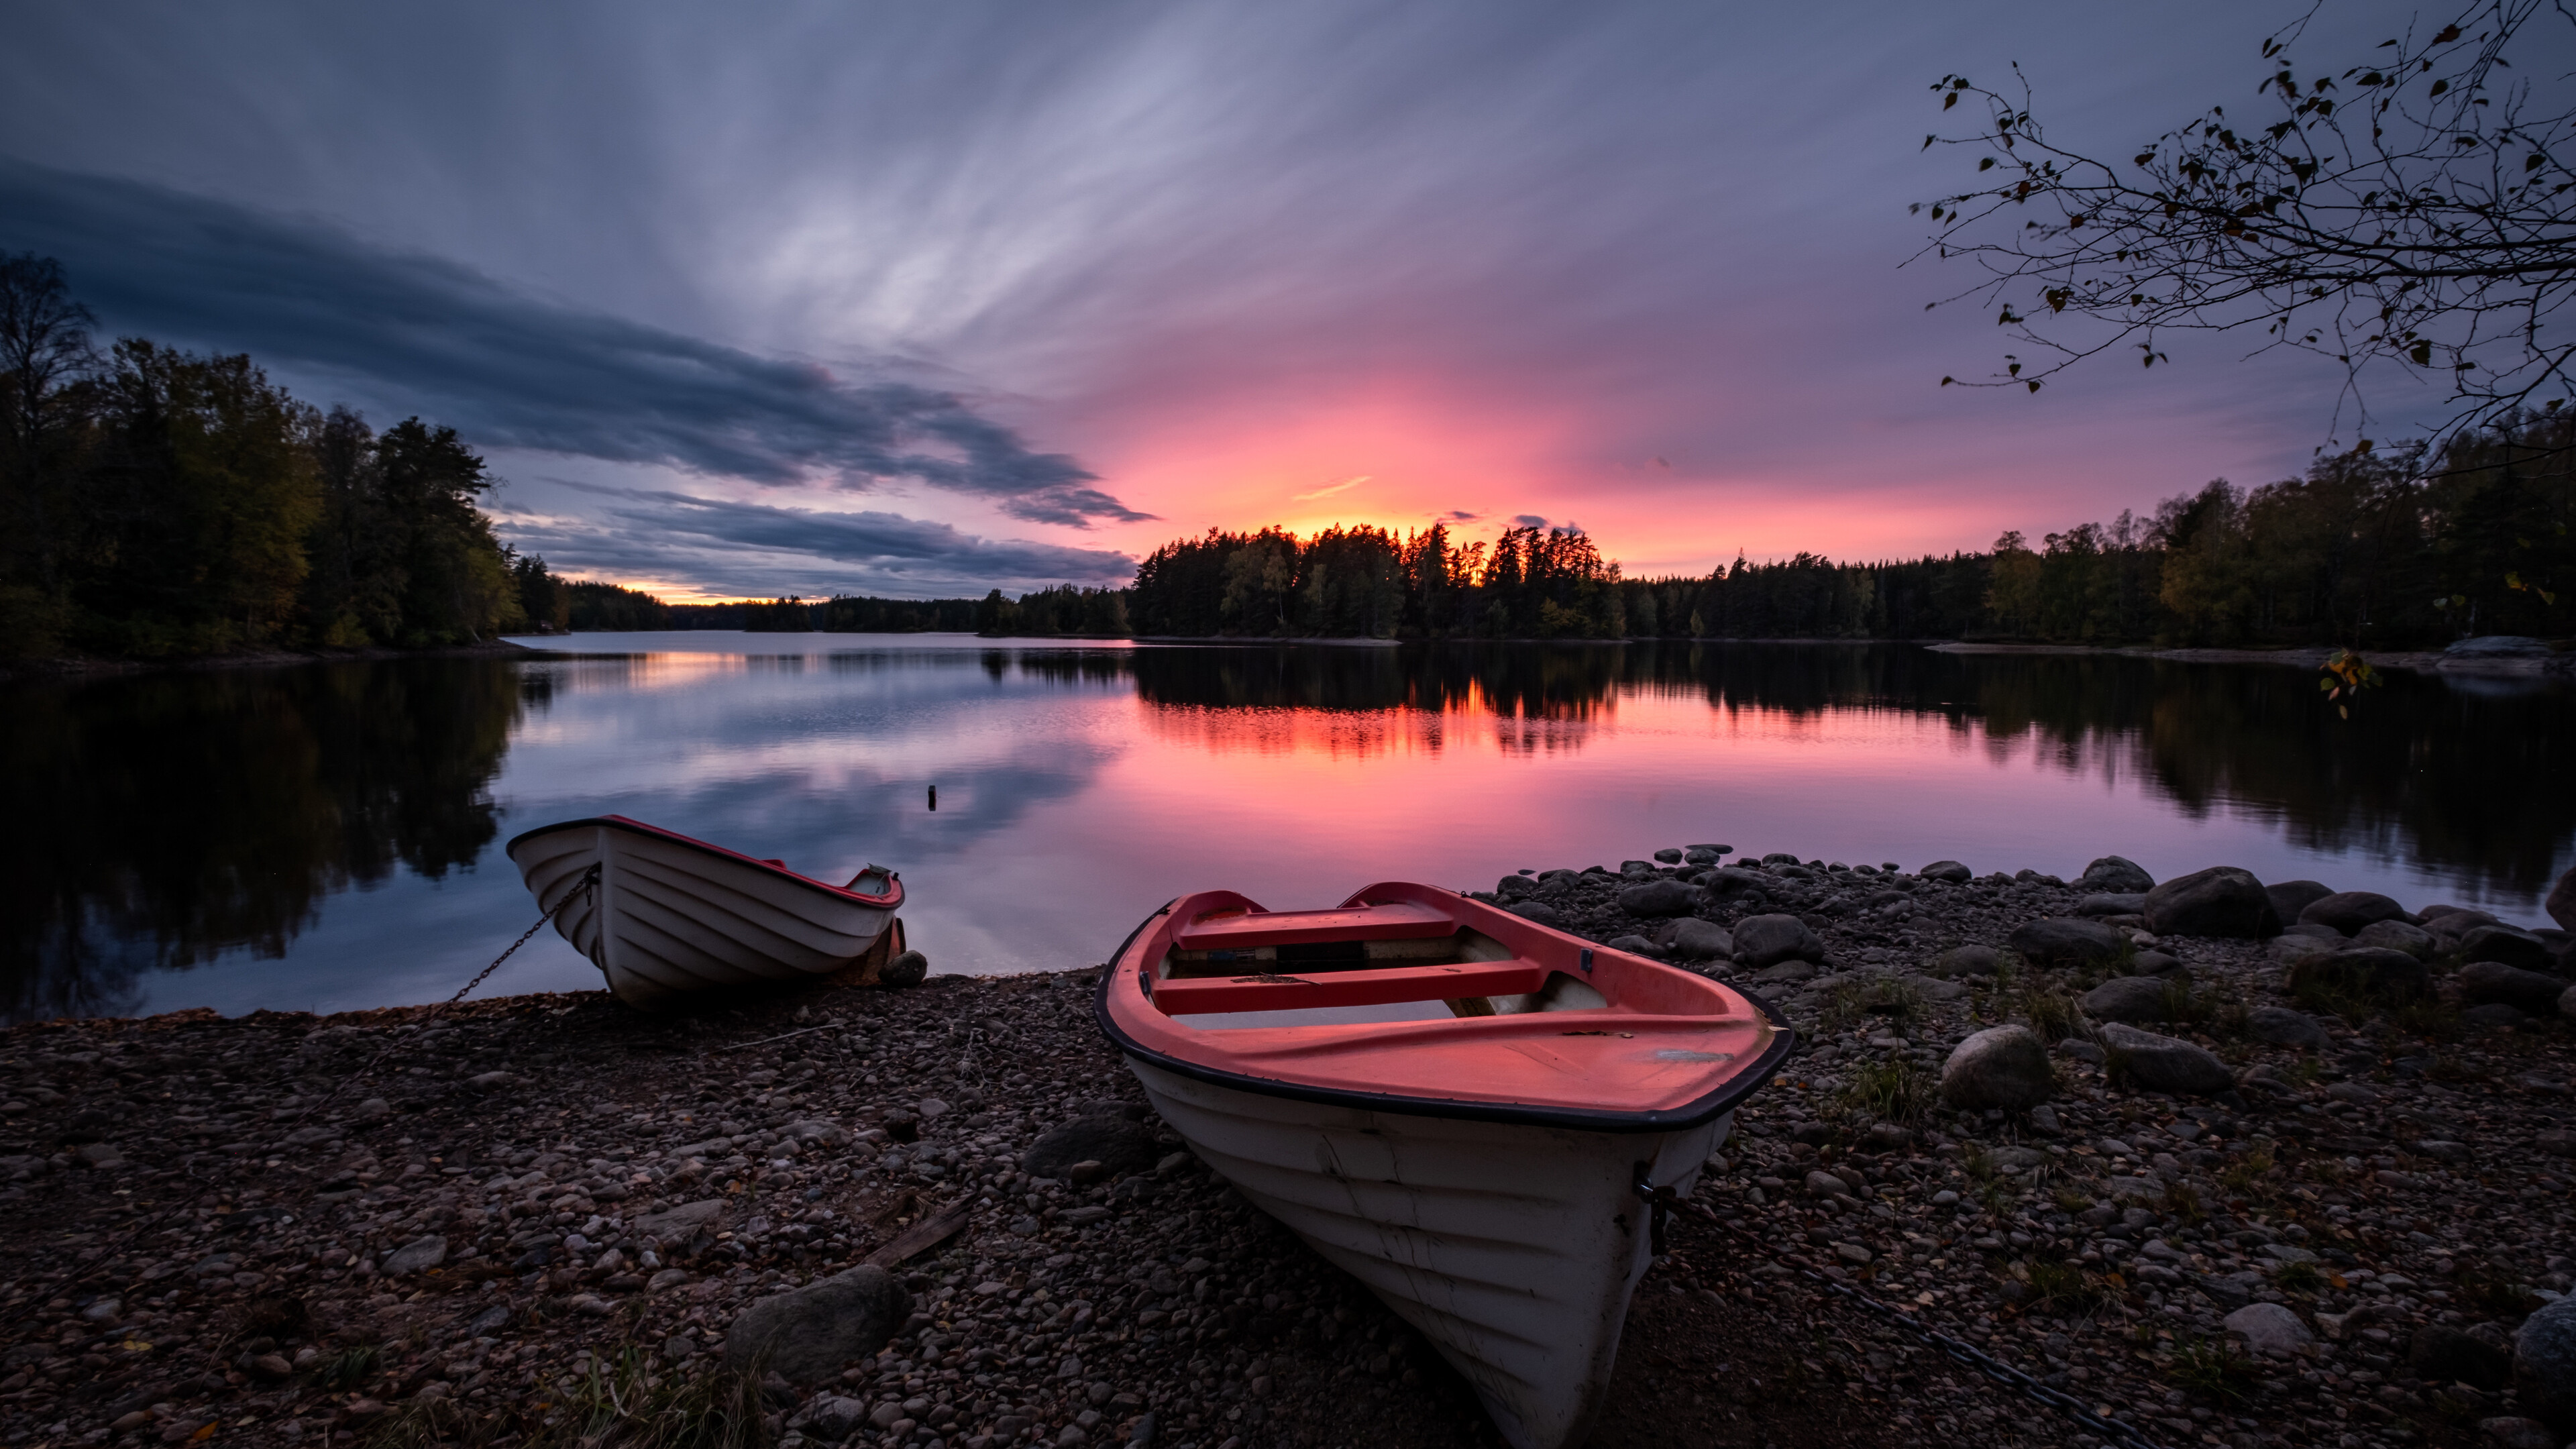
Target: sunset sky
<point>920,299</point>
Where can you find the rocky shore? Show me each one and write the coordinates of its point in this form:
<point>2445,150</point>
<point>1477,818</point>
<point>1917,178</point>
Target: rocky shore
<point>2233,1183</point>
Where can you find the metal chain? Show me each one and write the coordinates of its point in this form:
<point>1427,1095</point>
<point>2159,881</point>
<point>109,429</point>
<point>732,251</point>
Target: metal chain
<point>109,1254</point>
<point>2123,1435</point>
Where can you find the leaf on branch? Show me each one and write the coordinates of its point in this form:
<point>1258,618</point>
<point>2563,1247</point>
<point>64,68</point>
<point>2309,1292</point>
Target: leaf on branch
<point>1945,382</point>
<point>1949,100</point>
<point>2033,384</point>
<point>2449,34</point>
<point>1985,163</point>
<point>2439,86</point>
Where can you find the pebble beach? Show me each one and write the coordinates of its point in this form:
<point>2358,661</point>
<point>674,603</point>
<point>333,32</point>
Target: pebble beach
<point>2238,1163</point>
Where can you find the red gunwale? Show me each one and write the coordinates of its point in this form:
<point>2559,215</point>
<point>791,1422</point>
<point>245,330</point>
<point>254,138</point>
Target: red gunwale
<point>1671,1048</point>
<point>892,898</point>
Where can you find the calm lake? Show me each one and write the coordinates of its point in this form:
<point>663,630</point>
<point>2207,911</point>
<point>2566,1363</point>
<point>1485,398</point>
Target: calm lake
<point>324,837</point>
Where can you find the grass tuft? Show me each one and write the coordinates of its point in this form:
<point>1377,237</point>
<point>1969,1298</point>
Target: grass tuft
<point>2302,1278</point>
<point>1891,1091</point>
<point>348,1368</point>
<point>2053,1015</point>
<point>2249,1174</point>
<point>2212,1369</point>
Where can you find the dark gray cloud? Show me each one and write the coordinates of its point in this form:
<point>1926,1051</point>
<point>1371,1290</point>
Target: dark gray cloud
<point>1528,520</point>
<point>507,369</point>
<point>756,548</point>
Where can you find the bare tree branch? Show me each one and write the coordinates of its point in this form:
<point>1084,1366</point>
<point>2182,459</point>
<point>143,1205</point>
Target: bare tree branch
<point>2416,213</point>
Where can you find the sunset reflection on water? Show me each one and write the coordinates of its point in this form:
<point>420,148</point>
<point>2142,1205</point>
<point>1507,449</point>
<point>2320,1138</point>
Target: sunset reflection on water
<point>330,836</point>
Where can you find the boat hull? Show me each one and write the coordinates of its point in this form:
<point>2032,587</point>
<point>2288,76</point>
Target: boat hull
<point>668,918</point>
<point>1513,1248</point>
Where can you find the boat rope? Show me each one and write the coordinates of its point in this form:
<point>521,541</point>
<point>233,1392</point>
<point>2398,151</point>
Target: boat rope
<point>589,882</point>
<point>1662,1201</point>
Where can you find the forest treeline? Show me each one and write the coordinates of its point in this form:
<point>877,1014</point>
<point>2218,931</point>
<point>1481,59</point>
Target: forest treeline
<point>162,503</point>
<point>2386,550</point>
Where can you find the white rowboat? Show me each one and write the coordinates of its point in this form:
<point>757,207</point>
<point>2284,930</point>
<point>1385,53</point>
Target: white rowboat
<point>1455,1105</point>
<point>665,917</point>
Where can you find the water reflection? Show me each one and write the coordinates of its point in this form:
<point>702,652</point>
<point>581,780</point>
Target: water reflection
<point>162,821</point>
<point>327,836</point>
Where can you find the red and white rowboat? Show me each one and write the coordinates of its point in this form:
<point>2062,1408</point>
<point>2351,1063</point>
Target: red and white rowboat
<point>663,916</point>
<point>1455,1105</point>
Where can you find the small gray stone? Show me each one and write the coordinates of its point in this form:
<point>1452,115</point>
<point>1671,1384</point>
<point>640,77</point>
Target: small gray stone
<point>1117,1144</point>
<point>2561,904</point>
<point>1658,898</point>
<point>2567,1003</point>
<point>2112,905</point>
<point>1768,940</point>
<point>1634,945</point>
<point>2163,1064</point>
<point>417,1256</point>
<point>1705,854</point>
<point>1670,855</point>
<point>1948,870</point>
<point>2002,1066</point>
<point>1539,911</point>
<point>1513,887</point>
<point>2220,901</point>
<point>832,1417</point>
<point>2116,875</point>
<point>2062,941</point>
<point>1970,960</point>
<point>1697,940</point>
<point>2281,1026</point>
<point>2158,963</point>
<point>2493,1016</point>
<point>2130,999</point>
<point>807,1336</point>
<point>2269,1328</point>
<point>907,970</point>
<point>2349,911</point>
<point>680,1222</point>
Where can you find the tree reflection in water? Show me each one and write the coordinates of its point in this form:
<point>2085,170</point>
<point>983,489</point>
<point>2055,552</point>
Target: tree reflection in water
<point>161,820</point>
<point>2453,774</point>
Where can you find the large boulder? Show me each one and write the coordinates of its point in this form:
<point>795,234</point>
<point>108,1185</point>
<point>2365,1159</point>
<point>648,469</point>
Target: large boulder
<point>2064,941</point>
<point>1513,887</point>
<point>2567,1003</point>
<point>1769,940</point>
<point>2280,1026</point>
<point>1696,940</point>
<point>2415,941</point>
<point>2219,901</point>
<point>2116,876</point>
<point>2002,1066</point>
<point>2163,1064</point>
<point>1658,898</point>
<point>2506,945</point>
<point>1948,870</point>
<point>1117,1143</point>
<point>2370,971</point>
<point>2530,991</point>
<point>2562,902</point>
<point>2108,905</point>
<point>809,1335</point>
<point>2130,999</point>
<point>2544,1364</point>
<point>2349,911</point>
<point>2293,896</point>
<point>2442,1354</point>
